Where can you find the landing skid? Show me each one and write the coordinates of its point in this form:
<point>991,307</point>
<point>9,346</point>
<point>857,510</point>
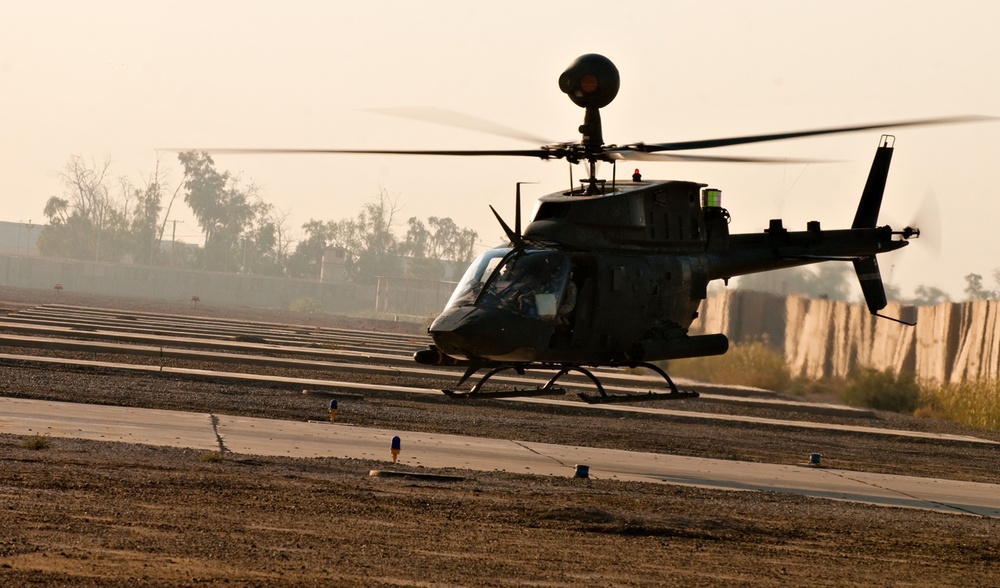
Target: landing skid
<point>504,393</point>
<point>551,389</point>
<point>476,392</point>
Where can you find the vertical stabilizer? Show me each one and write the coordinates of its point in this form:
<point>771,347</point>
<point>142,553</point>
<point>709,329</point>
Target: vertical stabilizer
<point>871,198</point>
<point>867,218</point>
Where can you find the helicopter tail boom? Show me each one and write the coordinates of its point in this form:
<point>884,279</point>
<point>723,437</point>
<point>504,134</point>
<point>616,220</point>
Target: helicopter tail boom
<point>779,248</point>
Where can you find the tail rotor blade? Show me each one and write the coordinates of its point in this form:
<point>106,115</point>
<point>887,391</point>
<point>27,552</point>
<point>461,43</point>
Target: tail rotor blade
<point>928,220</point>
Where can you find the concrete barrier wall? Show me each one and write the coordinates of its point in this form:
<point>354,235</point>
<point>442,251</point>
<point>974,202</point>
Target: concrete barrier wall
<point>952,342</point>
<point>400,296</point>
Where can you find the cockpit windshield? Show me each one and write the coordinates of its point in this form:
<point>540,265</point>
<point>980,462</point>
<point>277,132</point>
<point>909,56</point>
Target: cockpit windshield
<point>530,283</point>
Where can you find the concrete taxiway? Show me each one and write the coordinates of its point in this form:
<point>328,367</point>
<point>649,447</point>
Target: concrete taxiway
<point>252,436</point>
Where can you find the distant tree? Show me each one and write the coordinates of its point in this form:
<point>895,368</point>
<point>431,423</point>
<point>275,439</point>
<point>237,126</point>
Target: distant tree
<point>206,196</point>
<point>226,212</point>
<point>974,289</point>
<point>307,259</point>
<point>166,216</point>
<point>86,186</point>
<point>449,241</point>
<point>89,223</point>
<point>283,240</point>
<point>260,242</point>
<point>369,239</point>
<point>140,221</point>
<point>830,280</point>
<point>833,280</point>
<point>415,243</point>
<point>374,249</point>
<point>442,240</point>
<point>66,235</point>
<point>57,209</point>
<point>892,292</point>
<point>75,222</point>
<point>929,296</point>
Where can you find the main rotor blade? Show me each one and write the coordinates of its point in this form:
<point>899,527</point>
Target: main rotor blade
<point>725,142</point>
<point>542,153</point>
<point>440,116</point>
<point>629,155</point>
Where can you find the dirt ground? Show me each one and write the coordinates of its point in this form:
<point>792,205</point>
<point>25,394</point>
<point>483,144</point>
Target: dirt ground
<point>81,513</point>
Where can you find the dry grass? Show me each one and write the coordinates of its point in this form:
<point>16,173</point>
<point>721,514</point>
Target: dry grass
<point>882,390</point>
<point>757,364</point>
<point>753,364</point>
<point>971,403</point>
<point>37,442</point>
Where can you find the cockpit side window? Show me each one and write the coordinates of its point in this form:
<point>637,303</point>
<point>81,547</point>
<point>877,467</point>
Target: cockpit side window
<point>530,284</point>
<point>476,276</point>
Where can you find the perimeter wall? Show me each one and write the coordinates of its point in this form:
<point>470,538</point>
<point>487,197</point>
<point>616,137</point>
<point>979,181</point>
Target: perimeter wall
<point>952,342</point>
<point>400,296</point>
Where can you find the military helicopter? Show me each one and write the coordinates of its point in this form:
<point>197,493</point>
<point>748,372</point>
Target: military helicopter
<point>612,273</point>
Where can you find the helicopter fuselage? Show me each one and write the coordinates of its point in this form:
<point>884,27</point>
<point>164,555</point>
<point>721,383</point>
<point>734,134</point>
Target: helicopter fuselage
<point>618,277</point>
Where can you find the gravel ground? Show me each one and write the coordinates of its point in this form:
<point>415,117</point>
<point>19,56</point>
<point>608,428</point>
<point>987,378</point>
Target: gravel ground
<point>85,513</point>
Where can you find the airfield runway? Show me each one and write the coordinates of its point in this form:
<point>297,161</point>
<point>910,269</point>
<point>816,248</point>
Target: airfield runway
<point>252,386</point>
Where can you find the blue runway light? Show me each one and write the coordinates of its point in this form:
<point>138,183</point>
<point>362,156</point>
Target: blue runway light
<point>394,448</point>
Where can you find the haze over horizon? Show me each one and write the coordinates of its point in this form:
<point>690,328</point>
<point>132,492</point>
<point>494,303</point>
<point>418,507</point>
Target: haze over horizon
<point>123,79</point>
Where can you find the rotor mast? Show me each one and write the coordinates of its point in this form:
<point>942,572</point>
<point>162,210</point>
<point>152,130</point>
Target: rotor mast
<point>593,143</point>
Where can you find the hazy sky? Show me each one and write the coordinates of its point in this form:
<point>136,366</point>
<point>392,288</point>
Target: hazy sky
<point>123,78</point>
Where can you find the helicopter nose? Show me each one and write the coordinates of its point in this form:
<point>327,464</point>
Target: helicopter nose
<point>474,333</point>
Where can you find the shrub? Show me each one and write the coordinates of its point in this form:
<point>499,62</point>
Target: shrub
<point>37,442</point>
<point>881,390</point>
<point>304,304</point>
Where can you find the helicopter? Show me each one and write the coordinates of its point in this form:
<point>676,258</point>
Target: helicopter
<point>611,274</point>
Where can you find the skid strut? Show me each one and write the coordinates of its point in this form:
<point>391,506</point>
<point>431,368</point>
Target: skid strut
<point>476,392</point>
<point>604,397</point>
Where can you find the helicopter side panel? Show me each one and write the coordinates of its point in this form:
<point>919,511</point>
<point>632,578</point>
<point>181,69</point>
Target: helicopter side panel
<point>636,299</point>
